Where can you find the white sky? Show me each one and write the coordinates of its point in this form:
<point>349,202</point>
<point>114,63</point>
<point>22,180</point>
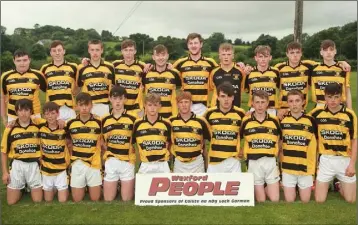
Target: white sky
<point>240,19</point>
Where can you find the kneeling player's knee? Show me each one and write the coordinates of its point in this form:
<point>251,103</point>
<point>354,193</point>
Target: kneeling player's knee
<point>350,199</point>
<point>12,201</point>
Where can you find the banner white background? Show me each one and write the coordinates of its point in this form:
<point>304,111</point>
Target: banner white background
<point>220,189</point>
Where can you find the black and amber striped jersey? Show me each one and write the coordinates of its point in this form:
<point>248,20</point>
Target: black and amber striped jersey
<point>299,145</point>
<point>293,78</point>
<point>225,135</point>
<point>268,81</point>
<point>165,84</point>
<point>27,85</point>
<point>130,78</point>
<point>55,156</point>
<point>152,139</point>
<point>96,81</point>
<point>335,130</point>
<point>22,143</point>
<point>188,137</point>
<point>322,75</point>
<point>85,138</point>
<point>260,138</point>
<point>235,76</point>
<point>117,134</point>
<point>195,77</point>
<point>61,82</point>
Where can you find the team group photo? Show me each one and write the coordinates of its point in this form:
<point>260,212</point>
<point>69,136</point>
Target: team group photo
<point>79,130</point>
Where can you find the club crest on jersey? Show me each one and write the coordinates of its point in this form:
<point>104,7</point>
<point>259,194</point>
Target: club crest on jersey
<point>126,126</point>
<point>92,131</point>
<point>236,76</point>
<point>270,131</point>
<point>195,130</point>
<point>204,68</point>
<point>167,81</point>
<point>305,128</point>
<point>302,73</point>
<point>31,80</point>
<point>338,74</point>
<point>234,122</point>
<point>161,132</point>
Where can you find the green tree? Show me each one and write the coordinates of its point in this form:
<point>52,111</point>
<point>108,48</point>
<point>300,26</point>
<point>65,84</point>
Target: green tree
<point>215,40</point>
<point>6,60</point>
<point>58,35</point>
<point>238,41</point>
<point>38,52</point>
<point>265,40</point>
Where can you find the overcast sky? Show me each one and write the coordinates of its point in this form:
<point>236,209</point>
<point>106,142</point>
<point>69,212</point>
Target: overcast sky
<point>246,20</point>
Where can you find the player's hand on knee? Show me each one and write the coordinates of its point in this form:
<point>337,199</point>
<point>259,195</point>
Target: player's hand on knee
<point>6,178</point>
<point>85,61</point>
<point>350,170</point>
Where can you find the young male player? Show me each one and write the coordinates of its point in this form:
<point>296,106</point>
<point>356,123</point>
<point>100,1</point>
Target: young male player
<point>261,132</point>
<point>21,144</point>
<point>225,121</point>
<point>189,133</point>
<point>85,134</point>
<point>119,155</point>
<point>55,156</point>
<point>152,134</point>
<point>128,74</point>
<point>329,71</point>
<point>298,149</point>
<point>194,71</point>
<point>96,78</point>
<point>22,82</point>
<point>163,81</point>
<point>228,71</point>
<point>263,77</point>
<point>61,81</point>
<point>337,144</point>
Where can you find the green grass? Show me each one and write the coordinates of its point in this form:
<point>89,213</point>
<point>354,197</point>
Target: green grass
<point>241,47</point>
<point>334,211</point>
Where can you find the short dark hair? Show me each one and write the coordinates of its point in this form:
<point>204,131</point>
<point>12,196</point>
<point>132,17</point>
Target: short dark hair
<point>95,42</point>
<point>328,44</point>
<point>192,36</point>
<point>56,43</point>
<point>20,53</point>
<point>50,106</point>
<point>333,89</point>
<point>117,91</point>
<point>24,103</point>
<point>296,92</point>
<point>160,49</point>
<point>84,97</point>
<point>227,88</point>
<point>261,94</point>
<point>128,43</point>
<point>293,45</point>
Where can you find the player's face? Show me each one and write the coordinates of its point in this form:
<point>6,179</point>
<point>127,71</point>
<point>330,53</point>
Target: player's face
<point>129,53</point>
<point>333,101</point>
<point>260,104</point>
<point>57,53</point>
<point>295,103</point>
<point>95,51</point>
<point>24,115</point>
<point>118,102</point>
<point>226,56</point>
<point>263,59</point>
<point>84,109</point>
<point>152,109</point>
<point>329,53</point>
<point>225,101</point>
<point>51,116</point>
<point>194,46</point>
<point>22,63</point>
<point>160,58</point>
<point>184,106</point>
<point>294,55</point>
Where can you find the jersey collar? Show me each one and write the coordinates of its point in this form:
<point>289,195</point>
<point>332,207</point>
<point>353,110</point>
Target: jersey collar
<point>343,109</point>
<point>254,118</point>
<point>145,118</point>
<point>191,117</point>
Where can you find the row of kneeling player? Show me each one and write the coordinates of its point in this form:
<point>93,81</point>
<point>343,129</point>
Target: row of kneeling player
<point>87,143</point>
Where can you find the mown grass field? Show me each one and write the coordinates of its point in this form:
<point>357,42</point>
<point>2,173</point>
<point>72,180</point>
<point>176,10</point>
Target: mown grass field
<point>334,211</point>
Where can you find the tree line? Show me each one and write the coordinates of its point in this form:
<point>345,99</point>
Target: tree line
<point>36,41</point>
